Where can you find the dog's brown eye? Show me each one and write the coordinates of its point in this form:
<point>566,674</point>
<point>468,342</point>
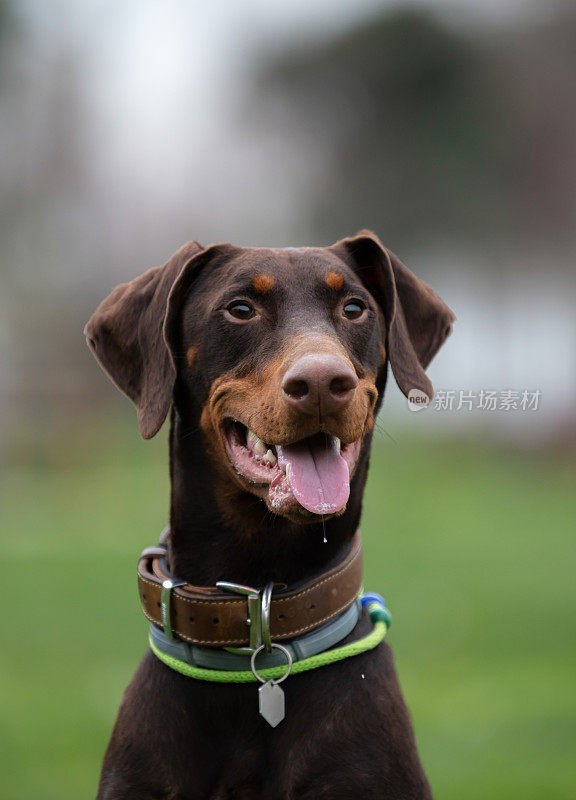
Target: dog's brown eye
<point>240,309</point>
<point>354,309</point>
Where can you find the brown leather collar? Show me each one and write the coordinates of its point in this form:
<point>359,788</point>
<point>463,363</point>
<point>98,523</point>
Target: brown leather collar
<point>211,617</point>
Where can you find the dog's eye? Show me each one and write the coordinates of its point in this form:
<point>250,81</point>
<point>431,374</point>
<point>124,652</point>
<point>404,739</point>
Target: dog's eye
<point>354,309</point>
<point>240,309</point>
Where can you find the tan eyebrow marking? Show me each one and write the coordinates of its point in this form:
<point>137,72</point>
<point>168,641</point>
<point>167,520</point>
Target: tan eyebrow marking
<point>191,355</point>
<point>334,280</point>
<point>263,283</point>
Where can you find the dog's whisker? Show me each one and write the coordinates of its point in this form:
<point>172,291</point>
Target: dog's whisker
<point>190,432</point>
<point>383,432</point>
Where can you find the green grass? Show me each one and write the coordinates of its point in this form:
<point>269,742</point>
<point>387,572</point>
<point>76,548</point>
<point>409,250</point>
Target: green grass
<point>472,548</point>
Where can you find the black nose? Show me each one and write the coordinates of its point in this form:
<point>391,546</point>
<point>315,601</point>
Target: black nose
<point>319,381</point>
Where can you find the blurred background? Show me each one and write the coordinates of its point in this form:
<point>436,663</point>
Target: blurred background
<point>447,127</point>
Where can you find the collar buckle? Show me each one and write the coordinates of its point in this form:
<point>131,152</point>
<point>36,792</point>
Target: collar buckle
<point>166,605</point>
<point>257,616</point>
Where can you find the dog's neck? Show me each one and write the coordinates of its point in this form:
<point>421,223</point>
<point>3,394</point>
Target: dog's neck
<point>220,532</point>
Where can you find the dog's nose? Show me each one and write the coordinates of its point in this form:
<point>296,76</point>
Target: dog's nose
<point>319,382</point>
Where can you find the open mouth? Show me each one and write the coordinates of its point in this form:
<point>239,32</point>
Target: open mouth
<point>311,475</point>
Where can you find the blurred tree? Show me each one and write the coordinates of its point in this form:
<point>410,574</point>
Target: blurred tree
<point>422,131</point>
<point>536,78</point>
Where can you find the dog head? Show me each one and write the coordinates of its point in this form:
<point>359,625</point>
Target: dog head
<point>279,355</point>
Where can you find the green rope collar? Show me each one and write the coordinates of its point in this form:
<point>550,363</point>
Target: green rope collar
<point>379,615</point>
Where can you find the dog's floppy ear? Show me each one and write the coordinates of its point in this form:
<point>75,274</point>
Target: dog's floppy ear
<point>126,334</point>
<point>417,320</point>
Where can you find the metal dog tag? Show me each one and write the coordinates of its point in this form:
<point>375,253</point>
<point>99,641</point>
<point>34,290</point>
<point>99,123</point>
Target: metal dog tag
<point>271,702</point>
<point>270,695</point>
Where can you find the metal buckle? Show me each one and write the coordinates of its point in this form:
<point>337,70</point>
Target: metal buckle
<point>258,615</point>
<point>166,605</point>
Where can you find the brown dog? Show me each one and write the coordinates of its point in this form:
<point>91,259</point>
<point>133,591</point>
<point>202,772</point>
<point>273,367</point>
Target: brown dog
<point>273,362</point>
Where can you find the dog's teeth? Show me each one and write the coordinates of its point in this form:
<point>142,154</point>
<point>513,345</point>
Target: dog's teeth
<point>288,470</point>
<point>255,443</point>
<point>269,458</point>
<point>338,443</point>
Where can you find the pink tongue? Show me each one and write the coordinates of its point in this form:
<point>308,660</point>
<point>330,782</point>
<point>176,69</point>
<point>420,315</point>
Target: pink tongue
<point>318,474</point>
